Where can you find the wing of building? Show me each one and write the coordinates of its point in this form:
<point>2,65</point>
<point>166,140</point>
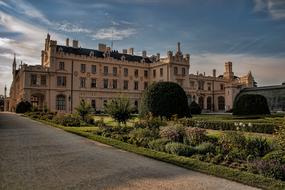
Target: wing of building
<point>69,73</point>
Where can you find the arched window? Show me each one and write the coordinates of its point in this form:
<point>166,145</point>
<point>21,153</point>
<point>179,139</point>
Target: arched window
<point>60,102</point>
<point>209,103</point>
<point>201,102</point>
<point>221,103</point>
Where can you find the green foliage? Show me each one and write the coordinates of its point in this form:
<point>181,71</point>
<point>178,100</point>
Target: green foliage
<point>205,148</point>
<point>281,136</point>
<point>165,99</point>
<point>179,149</point>
<point>151,122</point>
<point>23,107</point>
<point>119,109</point>
<point>173,133</point>
<point>277,155</point>
<point>237,126</point>
<point>257,146</point>
<point>231,140</point>
<point>158,144</point>
<point>83,109</point>
<point>89,119</point>
<point>250,104</point>
<point>195,108</point>
<point>271,168</point>
<point>67,120</point>
<point>195,136</point>
<point>187,122</point>
<point>142,136</point>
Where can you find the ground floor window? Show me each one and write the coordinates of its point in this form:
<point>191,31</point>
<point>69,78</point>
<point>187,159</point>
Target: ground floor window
<point>60,102</point>
<point>209,103</point>
<point>221,103</point>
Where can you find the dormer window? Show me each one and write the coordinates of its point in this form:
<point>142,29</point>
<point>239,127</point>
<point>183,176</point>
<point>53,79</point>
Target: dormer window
<point>91,53</point>
<point>60,49</point>
<point>123,58</point>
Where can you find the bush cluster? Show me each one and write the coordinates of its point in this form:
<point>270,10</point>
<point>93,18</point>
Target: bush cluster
<point>67,120</point>
<point>23,107</point>
<point>179,149</point>
<point>195,136</point>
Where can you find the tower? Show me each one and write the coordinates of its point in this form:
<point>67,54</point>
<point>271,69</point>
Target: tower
<point>228,74</point>
<point>5,92</point>
<point>14,66</point>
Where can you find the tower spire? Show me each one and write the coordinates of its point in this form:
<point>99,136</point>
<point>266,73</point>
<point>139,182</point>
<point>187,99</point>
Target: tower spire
<point>14,66</point>
<point>5,91</point>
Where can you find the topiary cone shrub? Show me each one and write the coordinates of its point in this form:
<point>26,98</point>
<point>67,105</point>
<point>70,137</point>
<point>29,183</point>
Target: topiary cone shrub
<point>165,99</point>
<point>195,108</point>
<point>250,104</point>
<point>23,107</point>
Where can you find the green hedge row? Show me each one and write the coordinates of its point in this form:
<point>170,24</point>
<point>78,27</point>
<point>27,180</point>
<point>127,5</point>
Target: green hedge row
<point>237,126</point>
<point>193,164</point>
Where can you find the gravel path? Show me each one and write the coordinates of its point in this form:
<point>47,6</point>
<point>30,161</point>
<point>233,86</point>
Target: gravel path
<point>37,156</point>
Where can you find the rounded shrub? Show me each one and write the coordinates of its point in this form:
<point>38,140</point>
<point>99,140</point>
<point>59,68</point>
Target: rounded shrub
<point>23,107</point>
<point>179,149</point>
<point>205,148</point>
<point>250,104</point>
<point>165,99</point>
<point>172,133</point>
<point>195,108</point>
<point>158,144</point>
<point>142,136</point>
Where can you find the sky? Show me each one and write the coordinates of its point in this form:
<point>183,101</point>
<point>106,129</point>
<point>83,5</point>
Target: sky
<point>250,33</point>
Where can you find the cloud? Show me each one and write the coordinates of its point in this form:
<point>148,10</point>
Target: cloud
<point>69,27</point>
<point>275,8</point>
<point>113,33</point>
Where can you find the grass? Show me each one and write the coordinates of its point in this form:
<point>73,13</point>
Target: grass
<point>111,122</point>
<point>189,163</point>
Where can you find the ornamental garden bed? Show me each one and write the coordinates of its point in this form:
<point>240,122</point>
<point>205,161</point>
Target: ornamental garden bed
<point>232,154</point>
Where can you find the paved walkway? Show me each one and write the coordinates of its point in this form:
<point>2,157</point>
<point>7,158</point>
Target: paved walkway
<point>37,156</point>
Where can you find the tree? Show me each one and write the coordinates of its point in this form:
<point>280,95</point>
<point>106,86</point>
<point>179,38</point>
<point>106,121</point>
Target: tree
<point>165,99</point>
<point>119,109</point>
<point>195,108</point>
<point>2,103</point>
<point>250,104</point>
<point>23,106</point>
<point>83,109</point>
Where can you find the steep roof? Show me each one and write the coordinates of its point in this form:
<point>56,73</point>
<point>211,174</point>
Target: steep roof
<point>100,54</point>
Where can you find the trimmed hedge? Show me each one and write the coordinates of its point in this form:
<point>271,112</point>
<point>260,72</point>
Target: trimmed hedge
<point>23,107</point>
<point>195,108</point>
<point>250,104</point>
<point>237,126</point>
<point>165,99</point>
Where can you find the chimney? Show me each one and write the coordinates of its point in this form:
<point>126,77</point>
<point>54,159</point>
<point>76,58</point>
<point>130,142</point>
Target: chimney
<point>125,51</point>
<point>102,47</point>
<point>178,47</point>
<point>67,41</point>
<point>75,43</point>
<point>214,72</point>
<point>131,51</point>
<point>144,53</point>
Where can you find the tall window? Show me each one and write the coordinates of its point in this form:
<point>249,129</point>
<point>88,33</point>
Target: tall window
<point>209,103</point>
<point>145,85</point>
<point>161,72</point>
<point>221,103</point>
<point>115,71</point>
<point>175,70</point>
<point>115,84</point>
<point>105,83</point>
<point>126,85</point>
<point>93,68</point>
<point>145,73</point>
<point>93,104</point>
<point>82,82</point>
<point>93,83</point>
<point>61,65</point>
<point>209,86</point>
<point>136,73</point>
<point>43,80</point>
<point>60,102</point>
<point>183,71</point>
<point>61,81</point>
<point>105,70</point>
<point>221,86</point>
<point>126,72</point>
<point>136,85</point>
<point>154,73</point>
<point>33,79</point>
<point>83,68</point>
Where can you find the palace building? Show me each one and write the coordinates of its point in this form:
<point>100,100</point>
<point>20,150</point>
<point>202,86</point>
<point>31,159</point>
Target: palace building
<point>69,73</point>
